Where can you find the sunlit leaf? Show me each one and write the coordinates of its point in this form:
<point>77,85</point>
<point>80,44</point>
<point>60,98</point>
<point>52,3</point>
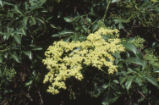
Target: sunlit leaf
<point>68,19</point>
<point>29,54</point>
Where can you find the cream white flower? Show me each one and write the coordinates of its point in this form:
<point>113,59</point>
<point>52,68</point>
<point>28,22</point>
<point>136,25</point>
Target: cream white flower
<point>67,59</point>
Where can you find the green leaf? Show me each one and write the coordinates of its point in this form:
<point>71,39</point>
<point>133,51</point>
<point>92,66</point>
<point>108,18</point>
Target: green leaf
<point>1,3</point>
<point>1,59</point>
<point>116,81</point>
<point>35,4</point>
<point>68,19</point>
<point>95,27</point>
<point>25,22</point>
<point>42,1</point>
<point>17,38</point>
<point>28,83</point>
<point>15,57</point>
<point>63,33</point>
<point>29,54</point>
<point>121,20</point>
<point>109,98</point>
<point>105,86</point>
<point>136,60</point>
<point>156,71</point>
<point>121,26</point>
<point>131,47</point>
<point>40,20</point>
<point>129,82</point>
<point>37,48</point>
<point>33,21</point>
<point>139,81</point>
<point>115,1</point>
<point>17,10</point>
<point>23,31</point>
<point>152,80</point>
<point>53,26</point>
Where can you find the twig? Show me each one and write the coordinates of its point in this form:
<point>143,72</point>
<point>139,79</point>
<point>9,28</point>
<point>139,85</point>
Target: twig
<point>41,99</point>
<point>106,9</point>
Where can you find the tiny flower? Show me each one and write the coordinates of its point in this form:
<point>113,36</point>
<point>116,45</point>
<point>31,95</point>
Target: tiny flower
<point>68,59</point>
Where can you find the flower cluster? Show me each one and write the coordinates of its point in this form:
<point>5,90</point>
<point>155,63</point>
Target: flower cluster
<point>67,59</point>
